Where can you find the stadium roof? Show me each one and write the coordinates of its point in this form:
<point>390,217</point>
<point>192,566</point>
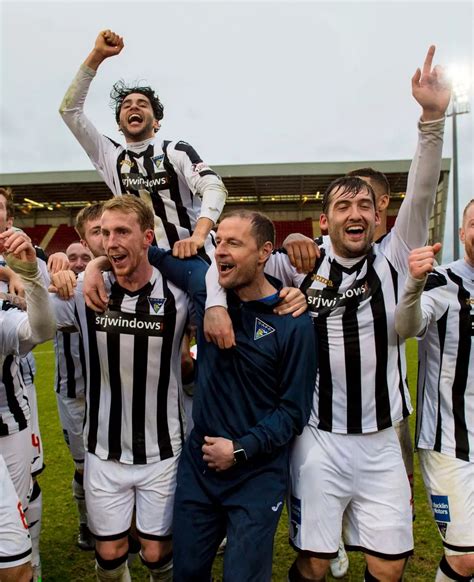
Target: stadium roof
<point>261,184</point>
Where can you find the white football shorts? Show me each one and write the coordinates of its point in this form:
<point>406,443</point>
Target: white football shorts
<point>449,483</point>
<point>16,452</point>
<point>15,543</point>
<point>358,478</point>
<point>113,489</point>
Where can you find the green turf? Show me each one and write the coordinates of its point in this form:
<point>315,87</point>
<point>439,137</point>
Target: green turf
<point>64,562</point>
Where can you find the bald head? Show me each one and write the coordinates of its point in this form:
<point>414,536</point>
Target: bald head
<point>78,256</point>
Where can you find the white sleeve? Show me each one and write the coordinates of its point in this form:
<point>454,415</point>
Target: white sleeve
<point>200,178</point>
<point>96,146</point>
<point>40,324</point>
<point>411,227</point>
<point>215,294</point>
<point>410,320</point>
<point>279,266</point>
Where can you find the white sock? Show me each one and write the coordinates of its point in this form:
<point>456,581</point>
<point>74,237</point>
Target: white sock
<point>33,516</point>
<point>163,574</point>
<point>120,574</point>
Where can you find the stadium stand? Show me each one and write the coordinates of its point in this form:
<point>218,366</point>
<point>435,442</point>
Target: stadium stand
<point>37,233</point>
<point>61,239</point>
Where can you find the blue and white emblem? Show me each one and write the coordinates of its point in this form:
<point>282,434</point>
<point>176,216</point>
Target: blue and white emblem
<point>262,329</point>
<point>158,160</point>
<point>156,304</point>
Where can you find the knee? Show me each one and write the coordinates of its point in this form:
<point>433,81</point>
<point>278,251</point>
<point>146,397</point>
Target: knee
<point>463,565</point>
<point>109,551</point>
<point>21,573</point>
<point>311,567</point>
<point>385,570</point>
<point>153,551</point>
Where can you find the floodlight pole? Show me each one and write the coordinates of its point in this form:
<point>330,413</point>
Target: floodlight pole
<point>457,108</point>
<point>455,182</point>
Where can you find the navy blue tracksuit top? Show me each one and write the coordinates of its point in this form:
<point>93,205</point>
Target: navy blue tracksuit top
<point>260,391</point>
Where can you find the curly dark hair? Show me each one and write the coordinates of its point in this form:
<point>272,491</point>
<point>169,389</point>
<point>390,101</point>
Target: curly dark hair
<point>120,90</point>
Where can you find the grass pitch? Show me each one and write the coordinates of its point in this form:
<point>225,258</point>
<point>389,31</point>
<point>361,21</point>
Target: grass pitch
<point>63,562</point>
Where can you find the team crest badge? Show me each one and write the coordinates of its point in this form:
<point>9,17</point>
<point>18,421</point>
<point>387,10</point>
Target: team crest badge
<point>262,329</point>
<point>158,160</point>
<point>156,304</point>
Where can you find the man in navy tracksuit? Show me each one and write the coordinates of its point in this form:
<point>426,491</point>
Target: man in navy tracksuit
<point>250,401</point>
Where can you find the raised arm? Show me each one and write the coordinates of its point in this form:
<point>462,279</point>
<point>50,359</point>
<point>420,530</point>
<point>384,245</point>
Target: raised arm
<point>107,44</point>
<point>21,258</point>
<point>203,182</point>
<point>432,91</point>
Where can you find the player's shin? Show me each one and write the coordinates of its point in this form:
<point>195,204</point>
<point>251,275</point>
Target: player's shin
<point>78,492</point>
<point>85,539</point>
<point>33,515</point>
<point>112,570</point>
<point>161,571</point>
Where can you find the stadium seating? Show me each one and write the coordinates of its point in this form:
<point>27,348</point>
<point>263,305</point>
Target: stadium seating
<point>37,233</point>
<point>62,238</point>
<point>285,227</point>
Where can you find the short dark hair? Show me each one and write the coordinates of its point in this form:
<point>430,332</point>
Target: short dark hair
<point>7,193</point>
<point>263,229</point>
<point>120,90</point>
<point>87,214</point>
<point>347,185</point>
<point>378,177</point>
<point>130,204</point>
<point>466,208</point>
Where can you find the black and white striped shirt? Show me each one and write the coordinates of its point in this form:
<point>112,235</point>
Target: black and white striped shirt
<point>361,385</point>
<point>14,407</point>
<point>170,176</point>
<point>70,364</point>
<point>133,361</point>
<point>445,411</point>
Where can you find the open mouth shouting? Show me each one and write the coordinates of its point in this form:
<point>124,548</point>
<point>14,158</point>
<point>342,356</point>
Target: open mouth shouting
<point>135,119</point>
<point>225,268</point>
<point>355,232</point>
<point>118,260</point>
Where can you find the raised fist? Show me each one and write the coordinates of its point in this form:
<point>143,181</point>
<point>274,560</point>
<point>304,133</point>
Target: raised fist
<point>108,44</point>
<point>422,261</point>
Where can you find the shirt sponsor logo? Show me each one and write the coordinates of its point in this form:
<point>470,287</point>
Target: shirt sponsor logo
<point>158,160</point>
<point>129,323</point>
<point>137,182</point>
<point>440,505</point>
<point>262,329</point>
<point>156,304</point>
<point>319,300</point>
